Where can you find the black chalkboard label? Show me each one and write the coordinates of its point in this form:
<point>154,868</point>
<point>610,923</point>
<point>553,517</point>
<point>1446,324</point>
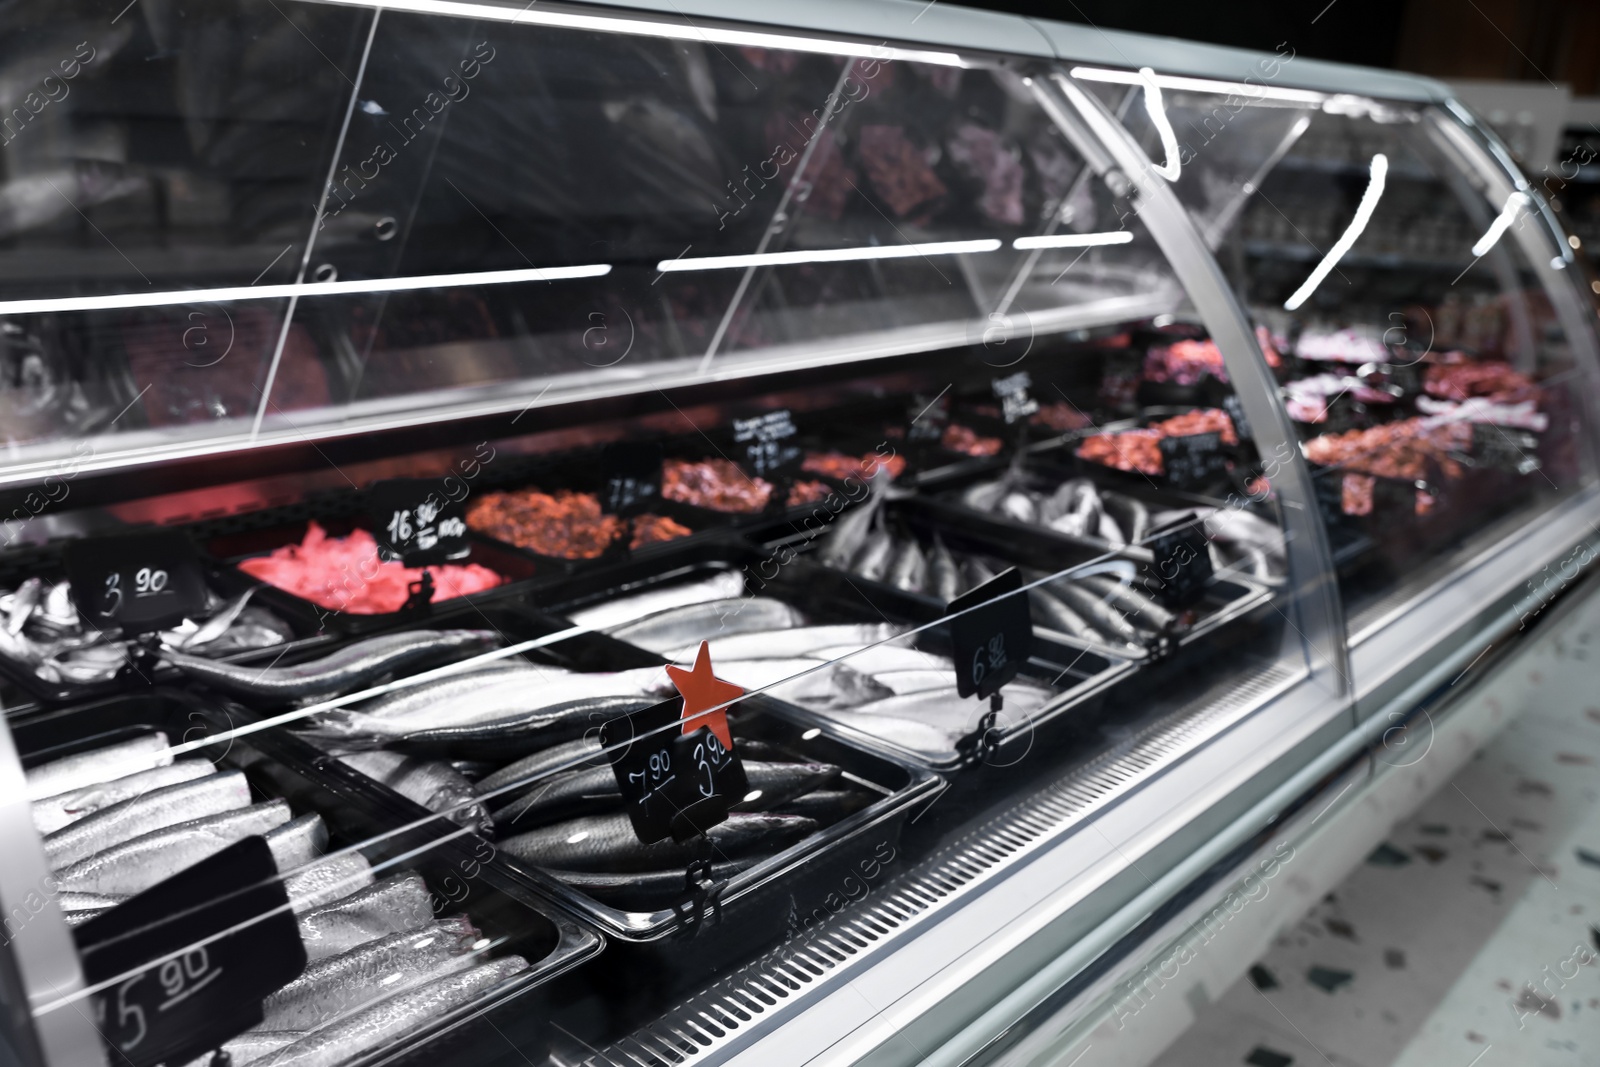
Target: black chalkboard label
<point>1180,566</point>
<point>672,784</point>
<point>1119,381</point>
<point>1193,461</point>
<point>630,477</point>
<point>1504,448</point>
<point>1235,410</point>
<point>764,441</point>
<point>1328,485</point>
<point>994,638</point>
<point>186,994</point>
<point>927,417</point>
<point>139,582</point>
<point>1012,392</point>
<point>416,522</point>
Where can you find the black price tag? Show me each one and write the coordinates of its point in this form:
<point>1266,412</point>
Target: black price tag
<point>1012,392</point>
<point>1119,381</point>
<point>139,582</point>
<point>1180,566</point>
<point>1407,377</point>
<point>1235,409</point>
<point>1328,485</point>
<point>993,641</point>
<point>673,785</point>
<point>1503,448</point>
<point>927,417</point>
<point>1193,461</point>
<point>764,440</point>
<point>173,1010</point>
<point>631,477</point>
<point>415,521</point>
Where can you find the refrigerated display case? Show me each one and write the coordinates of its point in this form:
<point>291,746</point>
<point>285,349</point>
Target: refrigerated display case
<point>706,534</point>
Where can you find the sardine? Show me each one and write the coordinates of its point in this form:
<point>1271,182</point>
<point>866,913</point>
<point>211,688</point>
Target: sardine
<point>872,562</point>
<point>346,669</point>
<point>23,603</point>
<point>78,918</point>
<point>827,806</point>
<point>58,611</point>
<point>218,624</point>
<point>531,768</point>
<point>1132,516</point>
<point>1051,612</point>
<point>944,574</point>
<point>136,865</point>
<point>393,1017</point>
<point>250,1047</point>
<point>1129,598</point>
<point>637,606</point>
<point>595,790</point>
<point>1019,506</point>
<point>608,843</point>
<point>977,572</point>
<point>1109,530</point>
<point>651,889</point>
<point>788,644</point>
<point>882,658</point>
<point>515,734</point>
<point>913,681</point>
<point>72,901</point>
<point>912,735</point>
<point>835,685</point>
<point>298,842</point>
<point>434,784</point>
<point>910,568</point>
<point>984,496</point>
<point>337,876</point>
<point>391,906</point>
<point>98,765</point>
<point>774,784</point>
<point>145,814</point>
<point>456,687</point>
<point>851,530</point>
<point>1102,616</point>
<point>347,982</point>
<point>714,618</point>
<point>503,695</point>
<point>63,809</point>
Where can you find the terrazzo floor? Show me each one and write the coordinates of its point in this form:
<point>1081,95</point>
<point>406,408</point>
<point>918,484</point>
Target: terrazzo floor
<point>1469,938</point>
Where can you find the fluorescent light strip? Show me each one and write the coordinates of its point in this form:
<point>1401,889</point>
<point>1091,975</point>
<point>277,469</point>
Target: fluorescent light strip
<point>276,292</point>
<point>828,255</point>
<point>1364,210</point>
<point>1201,85</point>
<point>1508,214</point>
<point>1074,240</point>
<point>1158,115</point>
<point>684,31</point>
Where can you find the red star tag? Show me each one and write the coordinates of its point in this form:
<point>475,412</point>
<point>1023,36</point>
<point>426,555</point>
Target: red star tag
<point>703,690</point>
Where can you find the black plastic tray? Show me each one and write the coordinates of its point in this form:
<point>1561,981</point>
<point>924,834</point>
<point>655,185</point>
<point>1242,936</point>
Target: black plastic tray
<point>278,765</point>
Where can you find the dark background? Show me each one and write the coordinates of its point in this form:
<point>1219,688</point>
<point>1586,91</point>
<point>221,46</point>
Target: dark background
<point>1555,41</point>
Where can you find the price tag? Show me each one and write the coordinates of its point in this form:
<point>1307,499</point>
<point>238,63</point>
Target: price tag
<point>1180,568</point>
<point>764,440</point>
<point>1328,485</point>
<point>173,1010</point>
<point>1408,377</point>
<point>665,774</point>
<point>1503,448</point>
<point>1193,461</point>
<point>1119,381</point>
<point>415,521</point>
<point>993,641</point>
<point>927,417</point>
<point>1235,409</point>
<point>631,477</point>
<point>139,582</point>
<point>1012,392</point>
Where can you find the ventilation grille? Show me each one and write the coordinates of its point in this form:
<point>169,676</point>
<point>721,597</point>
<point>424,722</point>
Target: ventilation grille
<point>741,999</point>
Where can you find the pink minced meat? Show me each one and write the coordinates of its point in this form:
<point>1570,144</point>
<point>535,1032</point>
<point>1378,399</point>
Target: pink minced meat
<point>345,574</point>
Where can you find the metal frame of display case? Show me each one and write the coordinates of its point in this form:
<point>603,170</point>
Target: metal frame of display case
<point>981,939</point>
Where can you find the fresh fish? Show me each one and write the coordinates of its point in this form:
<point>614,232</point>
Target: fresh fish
<point>714,618</point>
<point>1019,506</point>
<point>1051,612</point>
<point>337,876</point>
<point>434,784</point>
<point>86,666</point>
<point>347,982</point>
<point>393,1017</point>
<point>1129,598</point>
<point>608,843</point>
<point>643,888</point>
<point>98,765</point>
<point>456,687</point>
<point>1110,531</point>
<point>530,768</point>
<point>977,572</point>
<point>139,815</point>
<point>136,865</point>
<point>1131,514</point>
<point>218,624</point>
<point>72,901</point>
<point>298,842</point>
<point>525,734</point>
<point>910,569</point>
<point>58,610</point>
<point>944,574</point>
<point>346,669</point>
<point>872,562</point>
<point>250,1047</point>
<point>506,693</point>
<point>595,790</point>
<point>632,608</point>
<point>787,644</point>
<point>912,735</point>
<point>837,684</point>
<point>985,496</point>
<point>391,906</point>
<point>879,659</point>
<point>827,806</point>
<point>23,603</point>
<point>1103,617</point>
<point>78,918</point>
<point>913,681</point>
<point>851,530</point>
<point>63,809</point>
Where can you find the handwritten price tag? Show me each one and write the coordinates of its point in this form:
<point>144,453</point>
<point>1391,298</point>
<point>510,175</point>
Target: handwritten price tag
<point>416,522</point>
<point>764,440</point>
<point>139,582</point>
<point>1012,392</point>
<point>994,636</point>
<point>631,477</point>
<point>1181,566</point>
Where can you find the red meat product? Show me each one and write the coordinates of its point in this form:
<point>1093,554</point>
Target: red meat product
<point>838,466</point>
<point>1205,420</point>
<point>716,484</point>
<point>1130,450</point>
<point>1492,379</point>
<point>1060,416</point>
<point>345,574</point>
<point>653,529</point>
<point>958,438</point>
<point>807,491</point>
<point>898,170</point>
<point>563,525</point>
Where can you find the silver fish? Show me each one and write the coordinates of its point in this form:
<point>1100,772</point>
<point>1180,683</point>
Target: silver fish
<point>596,789</point>
<point>608,842</point>
<point>454,687</point>
<point>393,1017</point>
<point>1050,611</point>
<point>78,918</point>
<point>434,784</point>
<point>789,643</point>
<point>632,608</point>
<point>63,809</point>
<point>943,572</point>
<point>337,876</point>
<point>1132,516</point>
<point>23,603</point>
<point>834,685</point>
<point>531,768</point>
<point>1103,617</point>
<point>298,842</point>
<point>1020,506</point>
<point>145,814</point>
<point>872,562</point>
<point>914,681</point>
<point>1110,531</point>
<point>250,1046</point>
<point>218,624</point>
<point>852,529</point>
<point>714,618</point>
<point>341,984</point>
<point>880,658</point>
<point>391,906</point>
<point>136,865</point>
<point>1129,598</point>
<point>910,568</point>
<point>71,901</point>
<point>985,496</point>
<point>347,668</point>
<point>99,765</point>
<point>58,611</point>
<point>932,742</point>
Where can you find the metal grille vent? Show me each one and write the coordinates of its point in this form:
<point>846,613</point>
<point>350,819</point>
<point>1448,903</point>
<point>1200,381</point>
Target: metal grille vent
<point>739,1000</point>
